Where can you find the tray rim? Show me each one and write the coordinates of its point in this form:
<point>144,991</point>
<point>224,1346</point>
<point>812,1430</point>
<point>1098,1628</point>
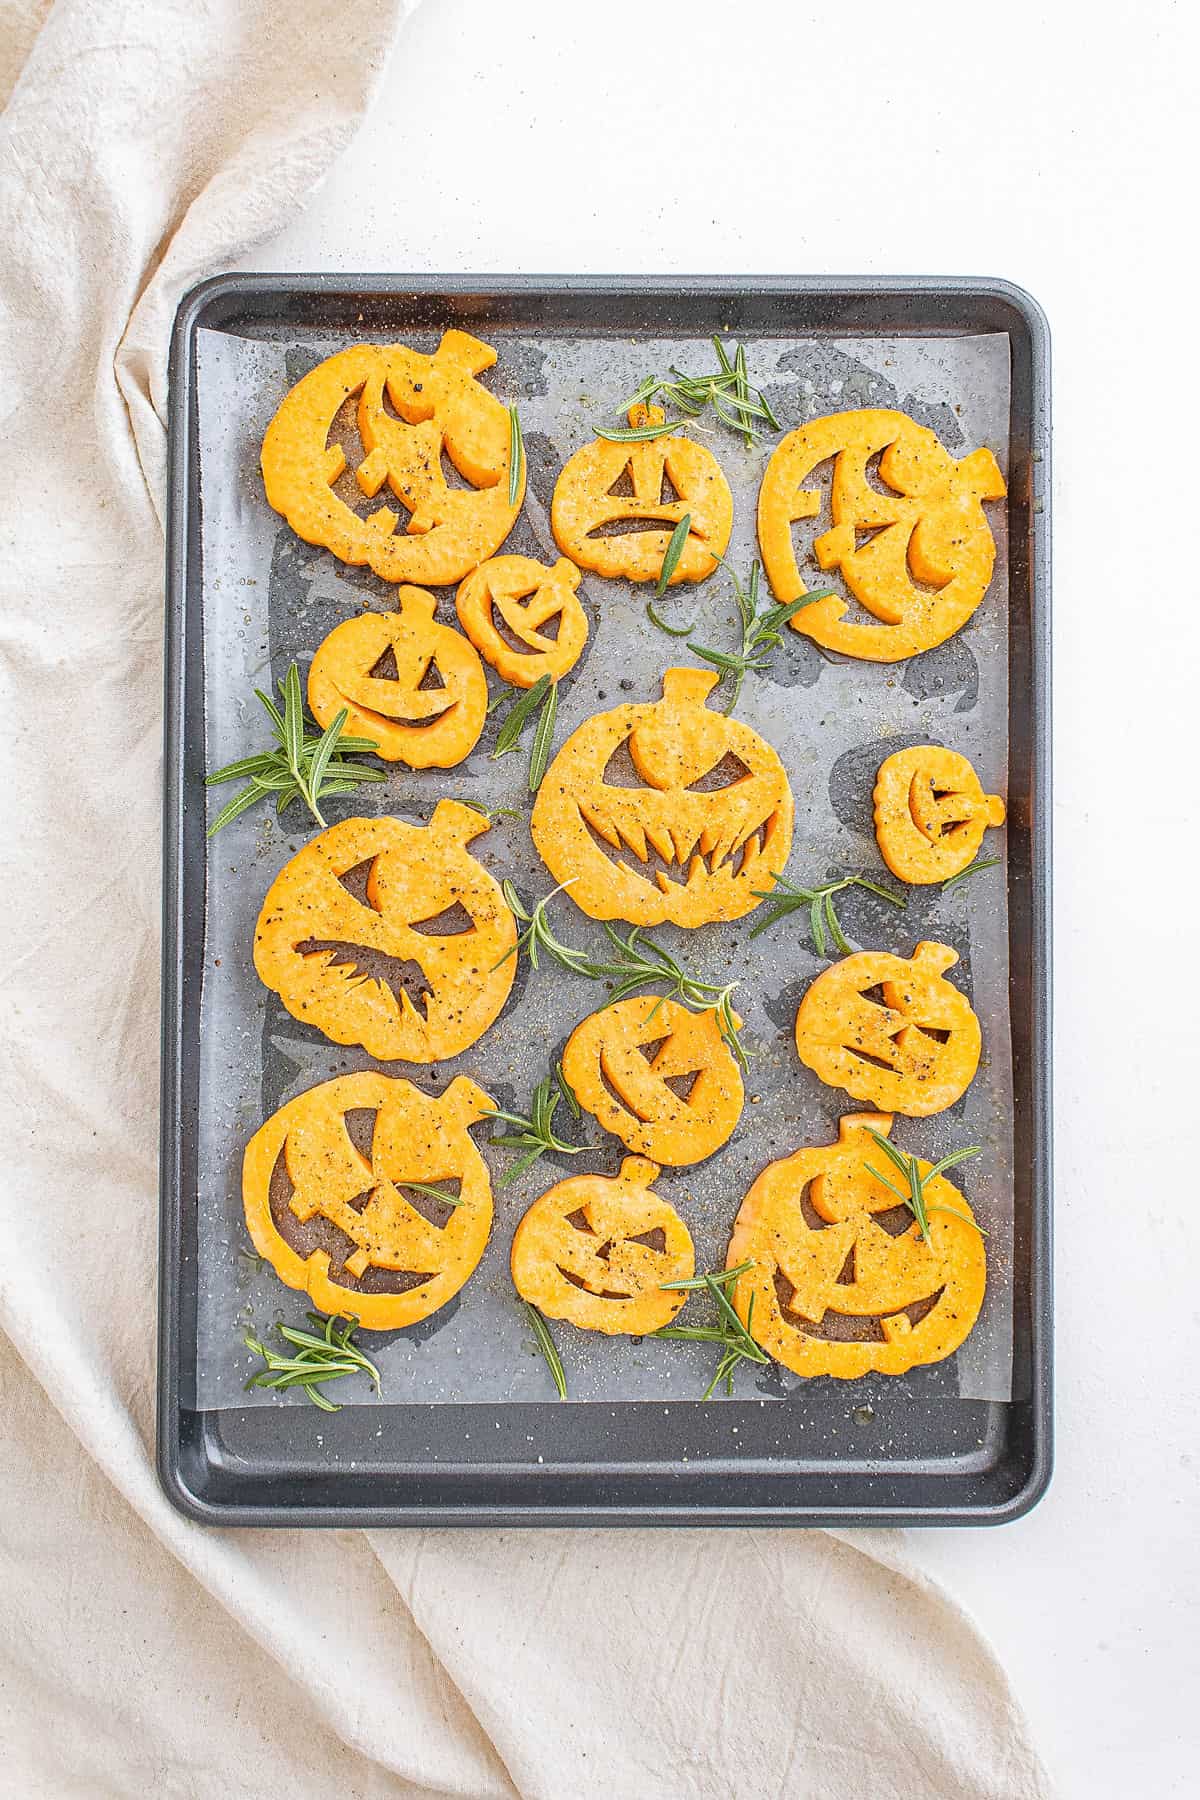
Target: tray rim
<point>189,317</point>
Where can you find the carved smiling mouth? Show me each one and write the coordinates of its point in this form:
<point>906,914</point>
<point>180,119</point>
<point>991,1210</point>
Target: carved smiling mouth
<point>674,857</point>
<point>392,720</point>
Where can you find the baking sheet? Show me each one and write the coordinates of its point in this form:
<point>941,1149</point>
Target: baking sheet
<point>269,599</point>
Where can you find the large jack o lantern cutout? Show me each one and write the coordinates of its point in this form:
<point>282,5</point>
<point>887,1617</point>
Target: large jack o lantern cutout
<point>916,552</point>
<point>694,807</point>
<point>324,1185</point>
<point>596,1251</point>
<point>616,505</point>
<point>843,1282</point>
<point>890,1030</point>
<point>416,687</point>
<point>931,813</point>
<point>524,619</point>
<point>411,409</point>
<point>391,936</point>
<point>658,1076</point>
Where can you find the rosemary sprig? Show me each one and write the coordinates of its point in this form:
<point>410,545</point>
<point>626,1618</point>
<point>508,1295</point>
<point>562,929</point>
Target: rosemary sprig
<point>674,551</point>
<point>760,631</point>
<point>972,868</point>
<point>490,813</point>
<point>321,1355</point>
<point>637,962</point>
<point>547,1346</point>
<point>788,897</point>
<point>301,767</point>
<point>535,1135</point>
<point>541,698</point>
<point>727,390</point>
<point>737,1344</point>
<point>910,1168</point>
<point>516,455</point>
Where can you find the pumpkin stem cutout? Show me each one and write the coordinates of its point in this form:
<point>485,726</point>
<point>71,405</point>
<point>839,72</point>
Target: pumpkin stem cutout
<point>658,1076</point>
<point>415,686</point>
<point>616,505</point>
<point>411,408</point>
<point>665,810</point>
<point>523,618</point>
<point>595,1250</point>
<point>931,813</point>
<point>890,1030</point>
<point>843,1283</point>
<point>914,549</point>
<point>391,936</point>
<point>333,1186</point>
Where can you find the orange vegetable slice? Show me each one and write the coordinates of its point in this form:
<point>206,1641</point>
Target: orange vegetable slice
<point>665,810</point>
<point>912,1047</point>
<point>841,1284</point>
<point>915,550</point>
<point>391,936</point>
<point>325,1187</point>
<point>597,1249</point>
<point>931,813</point>
<point>523,618</point>
<point>415,686</point>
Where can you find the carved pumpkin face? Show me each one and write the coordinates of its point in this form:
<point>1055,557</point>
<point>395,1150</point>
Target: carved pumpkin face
<point>917,551</point>
<point>323,1185</point>
<point>658,1076</point>
<point>414,686</point>
<point>931,813</point>
<point>616,505</point>
<point>695,808</point>
<point>523,618</point>
<point>596,1250</point>
<point>891,1031</point>
<point>411,409</point>
<point>843,1282</point>
<point>390,936</point>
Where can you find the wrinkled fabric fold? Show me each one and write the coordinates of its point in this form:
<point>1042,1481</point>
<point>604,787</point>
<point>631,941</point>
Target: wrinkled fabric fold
<point>143,147</point>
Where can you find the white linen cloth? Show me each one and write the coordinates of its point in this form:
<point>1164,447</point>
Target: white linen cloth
<point>145,144</point>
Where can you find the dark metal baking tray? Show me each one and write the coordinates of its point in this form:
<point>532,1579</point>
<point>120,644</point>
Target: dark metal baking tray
<point>972,1462</point>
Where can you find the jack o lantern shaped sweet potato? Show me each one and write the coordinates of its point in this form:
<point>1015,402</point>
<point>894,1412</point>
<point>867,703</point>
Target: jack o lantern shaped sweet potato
<point>914,548</point>
<point>596,1251</point>
<point>523,618</point>
<point>891,1030</point>
<point>327,1186</point>
<point>658,1076</point>
<point>843,1282</point>
<point>412,411</point>
<point>616,505</point>
<point>665,810</point>
<point>413,685</point>
<point>390,935</point>
<point>931,813</point>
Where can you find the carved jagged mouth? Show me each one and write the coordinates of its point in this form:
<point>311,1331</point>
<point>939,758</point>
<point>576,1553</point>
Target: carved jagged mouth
<point>850,1328</point>
<point>400,975</point>
<point>687,862</point>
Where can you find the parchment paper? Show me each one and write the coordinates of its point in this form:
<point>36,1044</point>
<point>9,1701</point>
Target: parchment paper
<point>269,599</point>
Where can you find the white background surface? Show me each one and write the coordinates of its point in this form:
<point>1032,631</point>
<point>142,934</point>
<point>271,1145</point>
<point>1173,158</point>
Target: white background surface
<point>1055,147</point>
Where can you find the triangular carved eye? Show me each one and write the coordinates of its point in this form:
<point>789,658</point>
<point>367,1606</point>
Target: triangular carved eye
<point>452,921</point>
<point>727,773</point>
<point>681,1085</point>
<point>432,678</point>
<point>620,771</point>
<point>864,533</point>
<point>668,493</point>
<point>651,1050</point>
<point>623,488</point>
<point>355,883</point>
<point>386,668</point>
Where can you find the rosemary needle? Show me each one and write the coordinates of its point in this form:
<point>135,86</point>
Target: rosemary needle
<point>547,1346</point>
<point>541,698</point>
<point>674,551</point>
<point>516,455</point>
<point>972,868</point>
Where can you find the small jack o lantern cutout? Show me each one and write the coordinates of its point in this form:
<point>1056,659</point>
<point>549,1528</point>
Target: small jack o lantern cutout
<point>916,552</point>
<point>843,1282</point>
<point>411,409</point>
<point>698,799</point>
<point>524,619</point>
<point>596,1251</point>
<point>658,1076</point>
<point>931,813</point>
<point>891,1030</point>
<point>416,687</point>
<point>328,1201</point>
<point>616,505</point>
<point>390,935</point>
